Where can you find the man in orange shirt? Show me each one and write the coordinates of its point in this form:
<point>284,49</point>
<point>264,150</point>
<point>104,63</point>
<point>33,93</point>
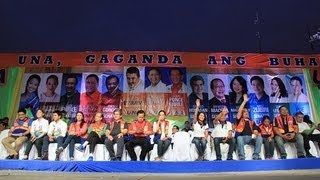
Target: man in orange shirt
<point>140,129</point>
<point>89,100</point>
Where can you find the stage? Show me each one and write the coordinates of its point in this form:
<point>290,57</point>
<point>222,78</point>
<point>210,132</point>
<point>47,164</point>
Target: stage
<point>162,167</point>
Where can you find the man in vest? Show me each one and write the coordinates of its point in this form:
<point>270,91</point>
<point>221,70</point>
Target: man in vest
<point>140,129</point>
<point>116,129</point>
<point>286,130</point>
<point>248,132</point>
<point>17,134</point>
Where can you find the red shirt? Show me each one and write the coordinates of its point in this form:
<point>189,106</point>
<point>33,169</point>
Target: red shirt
<point>144,126</point>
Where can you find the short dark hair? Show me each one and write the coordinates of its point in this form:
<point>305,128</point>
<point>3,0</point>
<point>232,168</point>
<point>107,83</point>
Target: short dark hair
<point>296,78</point>
<point>133,70</point>
<point>71,76</point>
<point>57,112</point>
<point>299,113</point>
<point>141,112</point>
<point>215,79</point>
<point>265,117</point>
<point>257,78</point>
<point>111,77</point>
<point>282,107</point>
<point>117,110</point>
<point>196,78</point>
<point>176,69</point>
<point>22,110</point>
<point>93,75</point>
<point>175,126</point>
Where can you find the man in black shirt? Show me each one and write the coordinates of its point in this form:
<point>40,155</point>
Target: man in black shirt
<point>248,132</point>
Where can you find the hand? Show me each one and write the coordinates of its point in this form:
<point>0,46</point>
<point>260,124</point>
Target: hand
<point>163,138</point>
<point>270,139</point>
<point>277,92</point>
<point>292,135</point>
<point>245,98</point>
<point>110,137</point>
<point>198,103</point>
<point>120,135</point>
<point>51,139</point>
<point>224,140</point>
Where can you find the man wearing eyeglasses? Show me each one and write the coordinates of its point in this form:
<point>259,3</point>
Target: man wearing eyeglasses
<point>18,133</point>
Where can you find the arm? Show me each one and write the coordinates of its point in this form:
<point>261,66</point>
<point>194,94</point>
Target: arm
<point>195,118</point>
<point>149,129</point>
<point>130,129</point>
<point>245,100</point>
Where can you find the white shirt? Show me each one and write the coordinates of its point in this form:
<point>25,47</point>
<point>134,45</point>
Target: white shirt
<point>301,98</point>
<point>302,126</point>
<point>183,88</point>
<point>160,87</point>
<point>137,88</point>
<point>221,130</point>
<point>54,98</point>
<point>57,129</point>
<point>155,129</point>
<point>198,131</point>
<point>39,126</point>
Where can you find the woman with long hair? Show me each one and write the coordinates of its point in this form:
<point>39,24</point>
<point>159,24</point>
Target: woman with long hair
<point>77,134</point>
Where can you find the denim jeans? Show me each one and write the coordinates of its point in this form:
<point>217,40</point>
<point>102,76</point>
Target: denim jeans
<point>163,146</point>
<point>201,145</point>
<point>231,142</point>
<point>298,139</point>
<point>243,140</point>
<point>268,147</point>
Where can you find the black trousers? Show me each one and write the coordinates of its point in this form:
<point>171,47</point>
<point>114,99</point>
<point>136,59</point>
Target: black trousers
<point>138,141</point>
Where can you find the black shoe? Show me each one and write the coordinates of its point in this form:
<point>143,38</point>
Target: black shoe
<point>310,156</point>
<point>230,159</point>
<point>10,157</point>
<point>118,159</point>
<point>218,159</point>
<point>16,156</point>
<point>301,156</point>
<point>45,156</point>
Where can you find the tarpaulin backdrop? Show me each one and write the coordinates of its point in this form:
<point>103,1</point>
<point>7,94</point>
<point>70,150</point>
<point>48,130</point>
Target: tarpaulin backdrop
<point>164,80</point>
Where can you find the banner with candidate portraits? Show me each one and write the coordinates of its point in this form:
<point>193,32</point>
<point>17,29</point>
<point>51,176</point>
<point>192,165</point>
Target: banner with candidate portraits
<point>172,89</point>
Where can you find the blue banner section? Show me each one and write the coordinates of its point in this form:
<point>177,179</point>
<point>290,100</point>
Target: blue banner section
<point>161,167</point>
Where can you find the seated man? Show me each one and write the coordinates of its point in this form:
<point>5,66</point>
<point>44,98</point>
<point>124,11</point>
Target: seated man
<point>140,129</point>
<point>286,130</point>
<point>248,132</point>
<point>223,133</point>
<point>18,134</point>
<point>307,133</point>
<point>116,129</point>
<point>56,133</point>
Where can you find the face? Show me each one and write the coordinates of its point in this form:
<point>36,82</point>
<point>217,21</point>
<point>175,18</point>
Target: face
<point>21,115</point>
<point>266,122</point>
<point>223,118</point>
<point>175,76</point>
<point>174,129</point>
<point>91,85</point>
<point>296,87</point>
<point>55,117</point>
<point>79,117</point>
<point>112,84</point>
<point>132,80</point>
<point>51,84</point>
<point>201,117</point>
<point>162,116</point>
<point>70,85</point>
<point>218,89</point>
<point>245,113</point>
<point>116,115</point>
<point>236,86</point>
<point>257,86</point>
<point>198,87</point>
<point>39,114</point>
<point>140,117</point>
<point>187,124</point>
<point>154,77</point>
<point>274,86</point>
<point>32,85</point>
<point>98,117</point>
<point>283,111</point>
<point>299,118</point>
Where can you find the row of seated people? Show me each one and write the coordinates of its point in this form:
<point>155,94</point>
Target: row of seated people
<point>284,129</point>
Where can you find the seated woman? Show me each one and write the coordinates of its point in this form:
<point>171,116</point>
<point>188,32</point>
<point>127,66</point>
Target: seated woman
<point>39,129</point>
<point>97,133</point>
<point>77,134</point>
<point>162,136</point>
<point>267,137</point>
<point>200,131</point>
